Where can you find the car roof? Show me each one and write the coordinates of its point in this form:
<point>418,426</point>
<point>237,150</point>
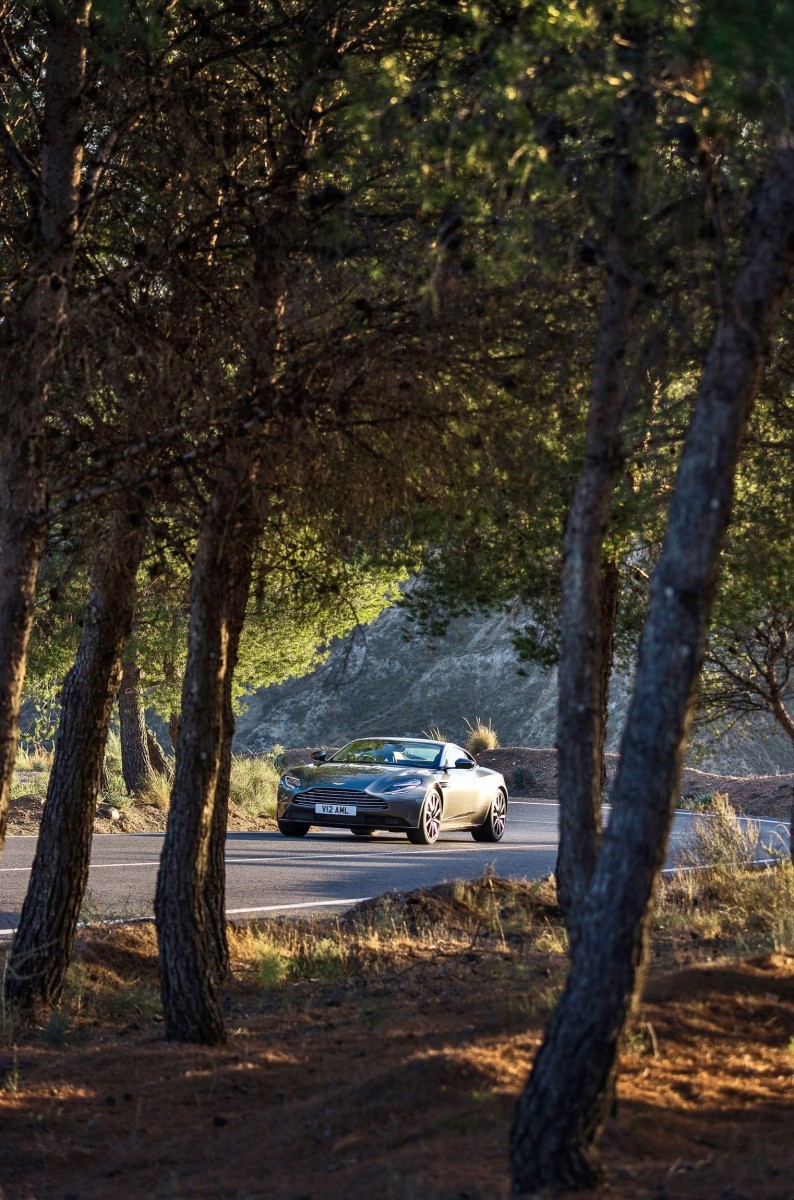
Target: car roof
<point>401,737</point>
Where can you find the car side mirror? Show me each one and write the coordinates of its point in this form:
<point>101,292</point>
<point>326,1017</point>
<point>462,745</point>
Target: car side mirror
<point>319,756</point>
<point>465,764</point>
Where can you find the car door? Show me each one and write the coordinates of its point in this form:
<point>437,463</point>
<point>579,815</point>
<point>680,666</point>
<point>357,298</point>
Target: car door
<point>460,787</point>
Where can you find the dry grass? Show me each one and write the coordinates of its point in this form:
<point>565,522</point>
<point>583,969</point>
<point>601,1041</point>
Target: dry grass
<point>481,737</point>
<point>38,759</point>
<point>254,782</point>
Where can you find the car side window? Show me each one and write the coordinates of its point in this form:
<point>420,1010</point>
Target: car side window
<point>453,754</point>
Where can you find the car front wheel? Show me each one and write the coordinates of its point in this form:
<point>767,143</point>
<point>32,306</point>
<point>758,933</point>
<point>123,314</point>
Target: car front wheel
<point>493,827</point>
<point>292,828</point>
<point>429,821</point>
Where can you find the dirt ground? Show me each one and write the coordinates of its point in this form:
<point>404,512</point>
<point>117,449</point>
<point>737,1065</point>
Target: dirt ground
<point>398,1078</point>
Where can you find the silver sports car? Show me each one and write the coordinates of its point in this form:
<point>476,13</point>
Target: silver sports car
<point>404,785</point>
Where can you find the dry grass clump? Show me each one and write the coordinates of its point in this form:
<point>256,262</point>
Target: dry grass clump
<point>721,839</point>
<point>748,909</point>
<point>481,737</point>
<point>254,782</point>
<point>435,733</point>
<point>37,759</point>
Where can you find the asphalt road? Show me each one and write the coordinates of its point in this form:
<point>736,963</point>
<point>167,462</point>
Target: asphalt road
<point>267,873</point>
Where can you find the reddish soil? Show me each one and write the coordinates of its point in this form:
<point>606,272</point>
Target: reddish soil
<point>396,1081</point>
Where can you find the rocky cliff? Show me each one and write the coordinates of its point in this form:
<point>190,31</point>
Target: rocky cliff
<point>379,680</point>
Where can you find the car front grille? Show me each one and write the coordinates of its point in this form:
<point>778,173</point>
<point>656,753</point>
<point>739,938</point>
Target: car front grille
<point>339,795</point>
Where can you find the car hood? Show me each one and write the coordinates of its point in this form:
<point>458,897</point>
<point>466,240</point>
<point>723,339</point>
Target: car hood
<point>361,777</point>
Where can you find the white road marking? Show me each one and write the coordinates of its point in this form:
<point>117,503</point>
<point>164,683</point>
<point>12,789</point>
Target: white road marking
<point>237,912</point>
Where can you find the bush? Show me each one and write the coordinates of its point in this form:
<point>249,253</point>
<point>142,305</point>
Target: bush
<point>721,839</point>
<point>521,780</point>
<point>703,803</point>
<point>481,737</point>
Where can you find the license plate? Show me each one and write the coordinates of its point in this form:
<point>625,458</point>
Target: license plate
<point>335,810</point>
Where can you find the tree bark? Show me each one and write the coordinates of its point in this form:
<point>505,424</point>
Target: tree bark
<point>215,884</point>
<point>583,667</point>
<point>174,720</point>
<point>609,597</point>
<point>561,1112</point>
<point>29,342</point>
<point>221,570</point>
<point>136,766</point>
<point>104,776</point>
<point>158,761</point>
<point>43,943</point>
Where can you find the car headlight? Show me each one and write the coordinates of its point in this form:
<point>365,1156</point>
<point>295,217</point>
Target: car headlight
<point>290,782</point>
<point>406,784</point>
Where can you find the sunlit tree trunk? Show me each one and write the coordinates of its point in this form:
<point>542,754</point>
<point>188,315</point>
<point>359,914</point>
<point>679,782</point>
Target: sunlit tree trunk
<point>221,570</point>
<point>136,766</point>
<point>43,943</point>
<point>215,885</point>
<point>562,1109</point>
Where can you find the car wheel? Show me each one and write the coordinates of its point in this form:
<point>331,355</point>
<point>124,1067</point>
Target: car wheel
<point>429,821</point>
<point>493,827</point>
<point>292,828</point>
<point>362,831</point>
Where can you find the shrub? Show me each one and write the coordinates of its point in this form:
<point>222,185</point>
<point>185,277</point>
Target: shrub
<point>702,803</point>
<point>521,780</point>
<point>481,737</point>
<point>720,838</point>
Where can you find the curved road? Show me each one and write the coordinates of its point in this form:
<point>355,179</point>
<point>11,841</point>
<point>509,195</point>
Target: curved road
<point>267,873</point>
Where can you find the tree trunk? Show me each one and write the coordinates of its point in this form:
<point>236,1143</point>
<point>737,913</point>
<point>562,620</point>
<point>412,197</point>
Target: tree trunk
<point>561,1112</point>
<point>43,943</point>
<point>104,776</point>
<point>158,761</point>
<point>608,597</point>
<point>29,342</point>
<point>221,568</point>
<point>583,668</point>
<point>215,885</point>
<point>174,720</point>
<point>136,766</point>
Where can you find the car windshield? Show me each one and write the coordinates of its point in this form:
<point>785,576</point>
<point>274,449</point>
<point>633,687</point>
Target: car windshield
<point>391,751</point>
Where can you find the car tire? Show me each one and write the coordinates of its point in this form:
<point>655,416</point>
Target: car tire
<point>362,831</point>
<point>493,827</point>
<point>292,828</point>
<point>429,821</point>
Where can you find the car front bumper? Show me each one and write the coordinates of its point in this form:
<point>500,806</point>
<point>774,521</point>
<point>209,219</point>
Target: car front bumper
<point>394,812</point>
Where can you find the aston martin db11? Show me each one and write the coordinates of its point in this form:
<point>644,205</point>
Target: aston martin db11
<point>404,785</point>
